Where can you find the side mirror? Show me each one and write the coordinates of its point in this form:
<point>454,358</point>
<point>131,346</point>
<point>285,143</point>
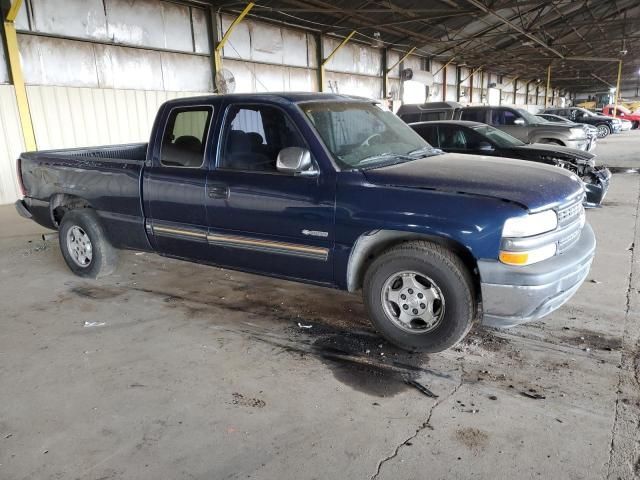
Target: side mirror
<point>485,147</point>
<point>519,121</point>
<point>295,161</point>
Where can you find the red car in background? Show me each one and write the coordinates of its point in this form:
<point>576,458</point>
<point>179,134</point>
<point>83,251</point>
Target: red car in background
<point>622,113</point>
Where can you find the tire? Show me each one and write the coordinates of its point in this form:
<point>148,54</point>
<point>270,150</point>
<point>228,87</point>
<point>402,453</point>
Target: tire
<point>84,245</point>
<point>634,125</point>
<point>435,266</point>
<point>603,130</point>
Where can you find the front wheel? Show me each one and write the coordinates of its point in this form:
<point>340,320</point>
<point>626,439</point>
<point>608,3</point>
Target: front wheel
<point>84,245</point>
<point>603,130</point>
<point>420,297</point>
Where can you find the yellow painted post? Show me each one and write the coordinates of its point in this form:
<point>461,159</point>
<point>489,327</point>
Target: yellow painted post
<point>16,76</point>
<point>326,60</point>
<point>546,90</point>
<point>615,102</point>
<point>217,55</point>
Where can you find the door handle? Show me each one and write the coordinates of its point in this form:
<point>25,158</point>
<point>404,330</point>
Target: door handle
<point>218,191</point>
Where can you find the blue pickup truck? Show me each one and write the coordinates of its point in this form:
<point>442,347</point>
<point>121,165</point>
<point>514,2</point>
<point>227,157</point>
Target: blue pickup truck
<point>330,190</point>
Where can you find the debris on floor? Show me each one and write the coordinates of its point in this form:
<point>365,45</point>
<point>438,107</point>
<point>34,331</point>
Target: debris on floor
<point>421,388</point>
<point>94,324</point>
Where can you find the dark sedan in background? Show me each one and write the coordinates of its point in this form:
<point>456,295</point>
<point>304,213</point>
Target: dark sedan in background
<point>475,138</point>
<point>589,130</point>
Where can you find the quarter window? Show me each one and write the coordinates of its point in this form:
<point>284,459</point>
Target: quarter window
<point>473,115</point>
<point>185,137</point>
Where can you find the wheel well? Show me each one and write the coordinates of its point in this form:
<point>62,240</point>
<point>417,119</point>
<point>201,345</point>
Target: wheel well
<point>552,140</point>
<point>371,245</point>
<point>62,203</point>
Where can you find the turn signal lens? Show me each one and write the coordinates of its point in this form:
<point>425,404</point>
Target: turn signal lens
<point>528,257</point>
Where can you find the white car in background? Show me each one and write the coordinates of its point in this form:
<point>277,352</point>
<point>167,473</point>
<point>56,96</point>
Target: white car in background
<point>626,125</point>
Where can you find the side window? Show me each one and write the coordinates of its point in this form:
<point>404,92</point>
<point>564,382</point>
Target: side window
<point>452,137</point>
<point>503,117</point>
<point>254,135</point>
<point>185,137</point>
<point>474,115</point>
<point>572,114</point>
<point>410,117</point>
<point>431,116</point>
<point>429,133</point>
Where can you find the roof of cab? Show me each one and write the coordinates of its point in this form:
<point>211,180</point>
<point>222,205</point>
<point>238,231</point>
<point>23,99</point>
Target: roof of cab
<point>277,97</point>
<point>464,123</point>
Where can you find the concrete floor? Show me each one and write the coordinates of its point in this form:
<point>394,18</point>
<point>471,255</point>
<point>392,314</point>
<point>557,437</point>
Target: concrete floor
<point>200,373</point>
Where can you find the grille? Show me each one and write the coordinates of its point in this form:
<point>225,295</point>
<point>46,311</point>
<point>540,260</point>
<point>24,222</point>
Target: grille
<point>568,216</point>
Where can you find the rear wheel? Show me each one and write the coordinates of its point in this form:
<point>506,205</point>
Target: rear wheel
<point>420,297</point>
<point>84,245</point>
<point>603,130</point>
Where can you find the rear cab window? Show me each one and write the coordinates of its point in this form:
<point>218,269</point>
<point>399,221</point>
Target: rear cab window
<point>185,137</point>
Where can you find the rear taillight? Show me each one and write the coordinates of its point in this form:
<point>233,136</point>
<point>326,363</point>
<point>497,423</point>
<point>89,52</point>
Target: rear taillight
<point>23,191</point>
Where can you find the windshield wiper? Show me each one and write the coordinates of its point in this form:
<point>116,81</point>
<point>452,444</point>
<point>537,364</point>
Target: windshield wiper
<point>424,151</point>
<point>384,155</point>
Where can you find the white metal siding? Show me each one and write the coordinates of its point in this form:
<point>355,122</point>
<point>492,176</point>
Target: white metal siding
<point>11,144</point>
<point>67,117</point>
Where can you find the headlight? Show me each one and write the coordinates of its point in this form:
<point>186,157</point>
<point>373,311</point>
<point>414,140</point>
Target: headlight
<point>576,132</point>
<point>516,228</point>
<point>529,225</point>
<point>528,257</point>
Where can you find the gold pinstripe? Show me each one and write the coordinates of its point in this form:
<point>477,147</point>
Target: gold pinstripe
<point>233,240</point>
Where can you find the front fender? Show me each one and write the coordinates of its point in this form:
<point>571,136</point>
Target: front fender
<point>369,218</point>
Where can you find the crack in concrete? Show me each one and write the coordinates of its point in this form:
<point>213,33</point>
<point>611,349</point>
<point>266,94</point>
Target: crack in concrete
<point>421,427</point>
<point>627,351</point>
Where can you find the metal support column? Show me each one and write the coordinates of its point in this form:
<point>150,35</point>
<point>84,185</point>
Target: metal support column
<point>16,76</point>
<point>617,96</point>
<point>217,54</point>
<point>324,61</point>
<point>385,73</point>
<point>458,83</point>
<point>546,90</point>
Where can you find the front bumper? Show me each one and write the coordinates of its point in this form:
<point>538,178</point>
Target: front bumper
<point>596,185</point>
<point>22,209</point>
<point>514,295</point>
<point>580,144</point>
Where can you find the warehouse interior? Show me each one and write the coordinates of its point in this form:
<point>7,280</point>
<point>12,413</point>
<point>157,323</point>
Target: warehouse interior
<point>171,369</point>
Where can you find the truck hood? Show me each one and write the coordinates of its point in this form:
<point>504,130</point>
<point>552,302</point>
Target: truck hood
<point>533,186</point>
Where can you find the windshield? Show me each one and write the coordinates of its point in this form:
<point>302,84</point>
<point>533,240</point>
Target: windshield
<point>362,135</point>
<point>503,140</point>
<point>554,118</point>
<point>530,118</point>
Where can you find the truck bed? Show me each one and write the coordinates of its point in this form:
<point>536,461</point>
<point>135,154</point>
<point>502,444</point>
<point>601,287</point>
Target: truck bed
<point>106,178</point>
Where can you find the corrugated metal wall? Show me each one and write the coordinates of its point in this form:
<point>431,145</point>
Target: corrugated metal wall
<point>11,144</point>
<point>66,117</point>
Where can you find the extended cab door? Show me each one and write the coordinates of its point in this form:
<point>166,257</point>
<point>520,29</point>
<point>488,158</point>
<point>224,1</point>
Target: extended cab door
<point>263,220</point>
<point>174,182</point>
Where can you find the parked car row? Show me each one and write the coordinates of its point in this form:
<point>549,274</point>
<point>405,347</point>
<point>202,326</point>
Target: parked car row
<point>606,125</point>
<point>515,133</point>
